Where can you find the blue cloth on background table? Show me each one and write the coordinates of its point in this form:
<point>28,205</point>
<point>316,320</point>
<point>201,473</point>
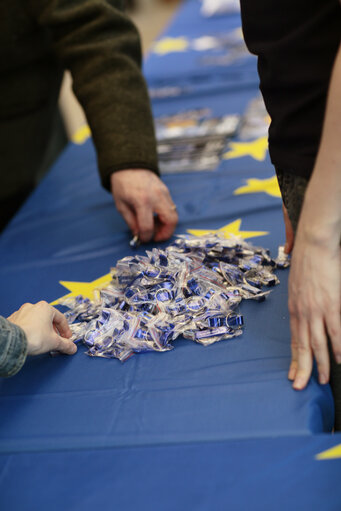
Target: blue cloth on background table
<point>187,69</point>
<point>188,21</point>
<point>255,475</point>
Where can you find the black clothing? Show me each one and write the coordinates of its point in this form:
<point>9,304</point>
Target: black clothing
<point>296,42</point>
<point>96,41</point>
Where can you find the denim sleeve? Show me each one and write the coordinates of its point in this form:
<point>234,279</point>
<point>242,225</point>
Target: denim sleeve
<point>13,348</point>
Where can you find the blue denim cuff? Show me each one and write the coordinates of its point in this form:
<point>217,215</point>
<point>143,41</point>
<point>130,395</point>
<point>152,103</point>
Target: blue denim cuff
<point>13,348</point>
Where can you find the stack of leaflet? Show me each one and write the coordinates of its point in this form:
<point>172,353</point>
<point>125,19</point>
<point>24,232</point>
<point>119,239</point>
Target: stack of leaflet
<point>193,140</point>
<point>203,84</point>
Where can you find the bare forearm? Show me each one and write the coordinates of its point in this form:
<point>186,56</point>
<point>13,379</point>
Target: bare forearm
<point>315,275</point>
<point>321,213</point>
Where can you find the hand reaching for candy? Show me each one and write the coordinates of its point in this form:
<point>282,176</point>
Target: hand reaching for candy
<point>145,204</point>
<point>45,327</point>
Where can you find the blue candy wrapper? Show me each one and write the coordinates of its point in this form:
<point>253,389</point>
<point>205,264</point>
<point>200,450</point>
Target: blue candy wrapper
<point>190,289</point>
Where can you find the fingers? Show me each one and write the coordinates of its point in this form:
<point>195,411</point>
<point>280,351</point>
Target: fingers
<point>304,355</point>
<point>294,350</point>
<point>167,219</point>
<point>308,341</point>
<point>62,343</point>
<point>129,216</point>
<point>60,321</point>
<point>312,342</point>
<point>65,346</point>
<point>164,227</point>
<point>314,306</point>
<point>167,216</point>
<point>318,340</point>
<point>292,369</point>
<point>142,220</point>
<point>145,221</point>
<point>163,224</point>
<point>145,203</point>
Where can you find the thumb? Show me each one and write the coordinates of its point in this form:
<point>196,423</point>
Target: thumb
<point>129,216</point>
<point>66,346</point>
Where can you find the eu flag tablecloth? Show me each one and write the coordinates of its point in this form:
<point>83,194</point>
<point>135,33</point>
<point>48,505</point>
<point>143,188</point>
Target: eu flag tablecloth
<point>257,475</point>
<point>69,232</point>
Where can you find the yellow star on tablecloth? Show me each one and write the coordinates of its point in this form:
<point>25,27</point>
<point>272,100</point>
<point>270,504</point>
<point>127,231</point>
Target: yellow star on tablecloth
<point>228,229</point>
<point>171,45</point>
<point>333,453</point>
<point>85,289</point>
<point>81,135</point>
<point>269,186</point>
<point>257,149</point>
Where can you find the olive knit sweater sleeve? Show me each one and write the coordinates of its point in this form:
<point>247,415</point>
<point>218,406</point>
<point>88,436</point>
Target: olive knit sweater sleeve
<point>13,348</point>
<point>98,43</point>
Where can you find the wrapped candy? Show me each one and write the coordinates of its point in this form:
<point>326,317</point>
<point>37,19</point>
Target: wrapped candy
<point>190,289</point>
<point>282,260</point>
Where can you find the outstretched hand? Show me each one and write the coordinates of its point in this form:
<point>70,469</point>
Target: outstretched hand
<point>315,275</point>
<point>145,204</point>
<point>314,306</point>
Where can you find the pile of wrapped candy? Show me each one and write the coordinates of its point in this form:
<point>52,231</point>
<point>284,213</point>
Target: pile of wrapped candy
<point>190,289</point>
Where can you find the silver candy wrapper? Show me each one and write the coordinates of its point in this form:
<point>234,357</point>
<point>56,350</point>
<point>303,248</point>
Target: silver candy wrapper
<point>190,289</point>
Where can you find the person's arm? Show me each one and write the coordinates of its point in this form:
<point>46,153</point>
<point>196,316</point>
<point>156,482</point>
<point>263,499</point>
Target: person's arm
<point>13,348</point>
<point>99,44</point>
<point>315,275</point>
<point>32,330</point>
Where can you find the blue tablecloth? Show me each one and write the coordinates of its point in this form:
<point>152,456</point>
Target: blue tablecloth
<point>69,231</point>
<point>183,400</point>
<point>255,475</point>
